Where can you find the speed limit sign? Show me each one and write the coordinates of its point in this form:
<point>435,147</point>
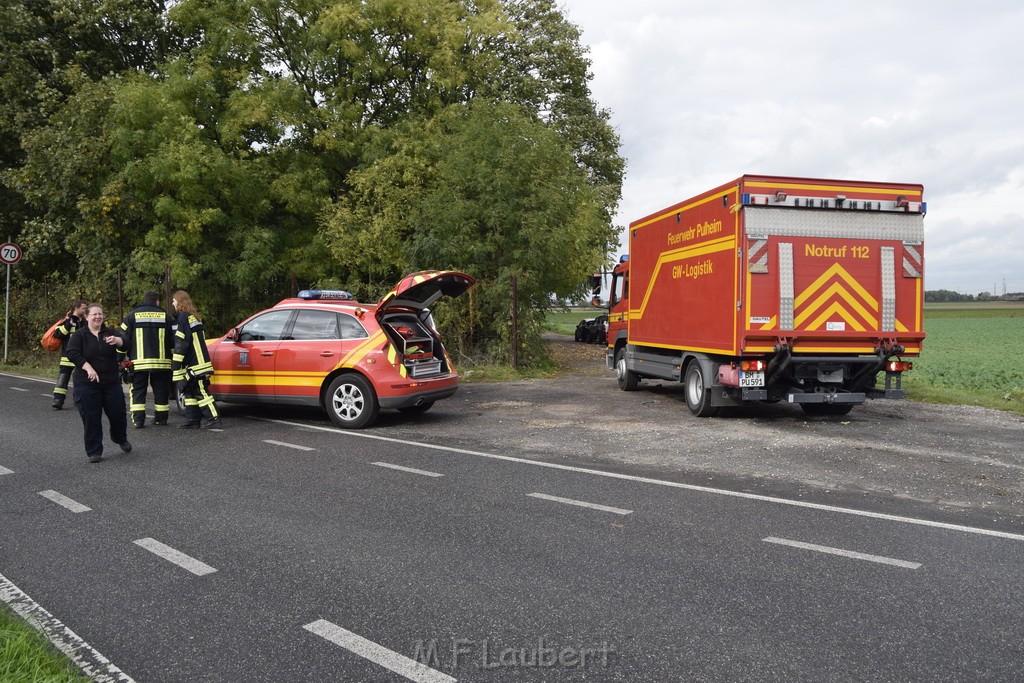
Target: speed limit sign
<point>10,253</point>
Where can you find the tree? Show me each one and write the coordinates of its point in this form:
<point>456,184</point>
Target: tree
<point>233,140</point>
<point>485,188</point>
<point>54,52</point>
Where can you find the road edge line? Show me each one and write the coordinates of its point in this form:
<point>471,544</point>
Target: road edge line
<point>86,657</point>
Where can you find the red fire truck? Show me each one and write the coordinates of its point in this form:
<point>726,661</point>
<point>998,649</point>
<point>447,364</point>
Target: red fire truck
<point>774,289</point>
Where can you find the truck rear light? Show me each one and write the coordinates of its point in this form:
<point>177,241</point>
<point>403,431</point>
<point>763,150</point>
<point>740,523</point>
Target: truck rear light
<point>751,365</point>
<point>899,366</point>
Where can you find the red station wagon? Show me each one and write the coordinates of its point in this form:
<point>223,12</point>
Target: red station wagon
<point>324,349</point>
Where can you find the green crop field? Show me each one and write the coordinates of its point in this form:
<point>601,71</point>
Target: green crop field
<point>564,322</point>
<point>974,353</point>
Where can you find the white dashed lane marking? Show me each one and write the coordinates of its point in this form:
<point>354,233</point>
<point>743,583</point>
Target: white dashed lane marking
<point>348,433</point>
<point>378,654</point>
<point>580,503</point>
<point>175,557</point>
<point>64,501</point>
<point>844,553</point>
<point>412,470</point>
<point>4,470</point>
<point>19,389</point>
<point>283,443</point>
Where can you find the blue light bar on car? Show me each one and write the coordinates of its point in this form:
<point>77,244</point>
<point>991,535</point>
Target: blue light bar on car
<point>335,294</point>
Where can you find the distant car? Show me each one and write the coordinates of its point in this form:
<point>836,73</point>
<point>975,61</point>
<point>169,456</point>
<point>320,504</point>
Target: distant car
<point>583,330</point>
<point>351,359</point>
<point>599,329</point>
<point>593,330</point>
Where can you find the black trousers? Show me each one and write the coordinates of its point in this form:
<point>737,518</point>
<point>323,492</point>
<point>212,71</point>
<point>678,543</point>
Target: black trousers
<point>60,390</point>
<point>160,380</point>
<point>93,400</point>
<point>198,401</point>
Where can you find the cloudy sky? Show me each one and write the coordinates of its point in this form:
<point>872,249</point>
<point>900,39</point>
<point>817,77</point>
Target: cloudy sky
<point>928,92</point>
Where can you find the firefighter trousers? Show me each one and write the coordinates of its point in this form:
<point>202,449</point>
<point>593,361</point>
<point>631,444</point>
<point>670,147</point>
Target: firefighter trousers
<point>198,401</point>
<point>160,380</point>
<point>60,389</point>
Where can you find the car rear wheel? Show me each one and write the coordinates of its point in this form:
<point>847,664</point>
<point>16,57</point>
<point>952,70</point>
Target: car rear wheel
<point>416,410</point>
<point>698,399</point>
<point>351,401</point>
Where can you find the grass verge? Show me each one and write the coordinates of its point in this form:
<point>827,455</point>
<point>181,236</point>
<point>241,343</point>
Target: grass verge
<point>26,655</point>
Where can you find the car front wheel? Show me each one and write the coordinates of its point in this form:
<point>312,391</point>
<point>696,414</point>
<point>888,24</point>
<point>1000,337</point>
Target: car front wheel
<point>351,402</point>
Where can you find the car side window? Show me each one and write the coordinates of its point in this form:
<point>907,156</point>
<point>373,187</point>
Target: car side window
<point>310,325</point>
<point>266,327</point>
<point>351,328</point>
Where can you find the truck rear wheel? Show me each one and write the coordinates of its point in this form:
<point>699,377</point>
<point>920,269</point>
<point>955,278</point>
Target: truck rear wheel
<point>820,409</point>
<point>698,399</point>
<point>628,380</point>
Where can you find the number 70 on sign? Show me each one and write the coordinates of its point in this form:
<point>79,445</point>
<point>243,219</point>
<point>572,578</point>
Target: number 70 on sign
<point>10,253</point>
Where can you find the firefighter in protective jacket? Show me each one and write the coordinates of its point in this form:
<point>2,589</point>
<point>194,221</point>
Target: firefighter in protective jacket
<point>74,320</point>
<point>191,366</point>
<point>150,335</point>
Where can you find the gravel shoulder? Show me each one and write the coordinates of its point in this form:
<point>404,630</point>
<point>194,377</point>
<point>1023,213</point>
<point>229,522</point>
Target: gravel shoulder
<point>962,460</point>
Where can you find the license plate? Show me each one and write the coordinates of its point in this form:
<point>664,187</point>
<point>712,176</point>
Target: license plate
<point>752,378</point>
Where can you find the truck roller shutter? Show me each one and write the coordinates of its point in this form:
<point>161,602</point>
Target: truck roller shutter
<point>888,289</point>
<point>785,286</point>
<point>764,222</point>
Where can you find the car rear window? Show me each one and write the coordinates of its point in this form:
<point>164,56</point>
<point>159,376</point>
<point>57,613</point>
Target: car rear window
<point>315,325</point>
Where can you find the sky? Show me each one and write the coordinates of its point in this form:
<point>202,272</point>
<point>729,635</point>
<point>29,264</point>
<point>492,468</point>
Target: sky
<point>932,92</point>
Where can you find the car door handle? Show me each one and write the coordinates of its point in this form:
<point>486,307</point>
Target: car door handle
<point>326,354</point>
<point>266,354</point>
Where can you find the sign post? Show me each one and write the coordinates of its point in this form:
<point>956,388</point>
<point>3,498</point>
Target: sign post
<point>10,253</point>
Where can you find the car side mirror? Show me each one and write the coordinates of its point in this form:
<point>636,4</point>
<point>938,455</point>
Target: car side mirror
<point>232,335</point>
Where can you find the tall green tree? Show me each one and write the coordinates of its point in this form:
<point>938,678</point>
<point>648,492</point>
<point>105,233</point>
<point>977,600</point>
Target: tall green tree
<point>52,55</point>
<point>482,187</point>
<point>236,144</point>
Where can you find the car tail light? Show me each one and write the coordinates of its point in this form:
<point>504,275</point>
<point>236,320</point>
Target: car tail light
<point>751,365</point>
<point>899,366</point>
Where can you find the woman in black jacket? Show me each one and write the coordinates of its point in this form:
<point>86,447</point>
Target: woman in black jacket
<point>93,350</point>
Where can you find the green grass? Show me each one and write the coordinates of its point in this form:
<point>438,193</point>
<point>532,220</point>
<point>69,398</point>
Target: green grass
<point>26,656</point>
<point>972,355</point>
<point>564,322</point>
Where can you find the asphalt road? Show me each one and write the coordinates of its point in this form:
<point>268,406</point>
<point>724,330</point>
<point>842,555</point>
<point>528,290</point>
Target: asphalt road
<point>523,541</point>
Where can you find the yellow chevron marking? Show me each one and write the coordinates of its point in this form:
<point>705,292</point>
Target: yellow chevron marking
<point>820,301</point>
<point>770,325</point>
<point>834,309</point>
<point>351,358</point>
<point>900,327</point>
<point>836,269</point>
<point>714,246</point>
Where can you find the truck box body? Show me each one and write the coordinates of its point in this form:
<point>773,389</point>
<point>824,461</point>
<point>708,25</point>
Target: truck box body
<point>816,268</point>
